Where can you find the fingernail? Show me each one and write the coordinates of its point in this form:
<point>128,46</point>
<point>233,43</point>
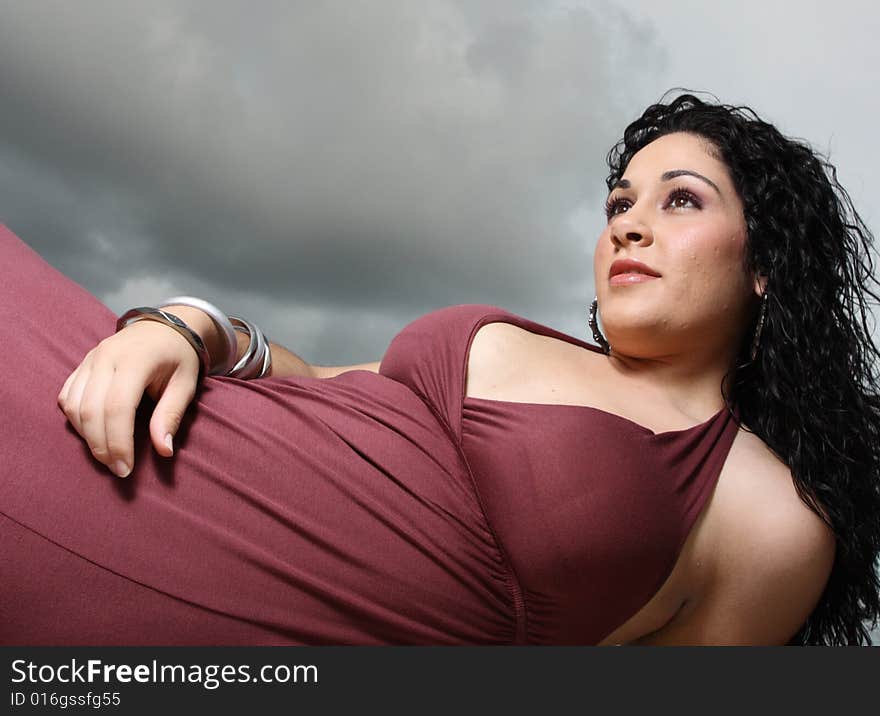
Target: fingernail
<point>121,469</point>
<point>169,443</point>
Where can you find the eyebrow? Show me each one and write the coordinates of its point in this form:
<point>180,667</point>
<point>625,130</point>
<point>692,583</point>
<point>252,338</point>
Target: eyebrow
<point>671,174</point>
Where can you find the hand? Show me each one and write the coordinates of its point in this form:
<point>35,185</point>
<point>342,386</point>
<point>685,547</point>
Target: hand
<point>100,398</point>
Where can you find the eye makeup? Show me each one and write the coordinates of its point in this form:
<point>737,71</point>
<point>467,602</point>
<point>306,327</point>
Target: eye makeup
<point>674,195</point>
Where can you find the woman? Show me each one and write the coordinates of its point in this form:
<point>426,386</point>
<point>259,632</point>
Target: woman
<point>708,476</point>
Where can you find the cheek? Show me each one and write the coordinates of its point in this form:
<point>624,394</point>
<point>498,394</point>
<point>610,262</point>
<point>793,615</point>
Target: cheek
<point>600,255</point>
<point>716,271</point>
<point>712,271</point>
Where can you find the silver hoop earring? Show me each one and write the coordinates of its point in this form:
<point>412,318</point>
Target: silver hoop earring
<point>757,339</point>
<point>594,326</point>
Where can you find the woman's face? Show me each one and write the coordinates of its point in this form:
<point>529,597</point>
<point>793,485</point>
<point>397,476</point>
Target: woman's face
<point>689,230</point>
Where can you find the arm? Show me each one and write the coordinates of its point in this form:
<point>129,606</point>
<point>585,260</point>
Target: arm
<point>101,396</point>
<point>284,362</point>
<point>771,572</point>
<point>325,371</point>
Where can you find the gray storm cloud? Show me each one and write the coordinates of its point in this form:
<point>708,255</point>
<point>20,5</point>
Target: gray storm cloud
<point>391,156</point>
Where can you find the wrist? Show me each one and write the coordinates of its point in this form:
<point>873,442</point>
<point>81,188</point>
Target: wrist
<point>204,325</point>
<point>222,362</point>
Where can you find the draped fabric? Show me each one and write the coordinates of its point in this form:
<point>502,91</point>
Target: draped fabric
<point>363,509</point>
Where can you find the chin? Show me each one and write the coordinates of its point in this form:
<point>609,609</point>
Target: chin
<point>633,320</point>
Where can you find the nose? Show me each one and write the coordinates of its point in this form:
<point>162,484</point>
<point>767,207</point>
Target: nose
<point>628,228</point>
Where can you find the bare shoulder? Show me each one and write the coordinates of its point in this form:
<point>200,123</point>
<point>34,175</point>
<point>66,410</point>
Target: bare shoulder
<point>772,533</point>
<point>497,353</point>
<point>770,561</point>
<point>761,486</point>
<point>493,338</point>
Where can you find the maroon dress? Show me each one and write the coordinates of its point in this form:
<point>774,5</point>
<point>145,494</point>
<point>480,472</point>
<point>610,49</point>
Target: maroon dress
<point>364,509</point>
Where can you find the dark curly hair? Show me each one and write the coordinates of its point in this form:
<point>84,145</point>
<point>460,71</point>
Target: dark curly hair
<point>812,392</point>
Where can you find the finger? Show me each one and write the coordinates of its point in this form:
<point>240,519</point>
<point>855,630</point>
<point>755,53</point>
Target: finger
<point>62,394</point>
<point>74,396</point>
<point>170,410</point>
<point>92,410</point>
<point>121,403</point>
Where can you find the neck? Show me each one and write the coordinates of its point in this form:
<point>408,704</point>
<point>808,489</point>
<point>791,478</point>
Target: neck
<point>688,382</point>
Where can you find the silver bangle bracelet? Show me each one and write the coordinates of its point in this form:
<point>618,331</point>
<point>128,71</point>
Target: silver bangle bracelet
<point>221,320</point>
<point>249,353</point>
<point>257,359</point>
<point>148,313</point>
<point>249,364</point>
<point>267,362</point>
<point>265,355</point>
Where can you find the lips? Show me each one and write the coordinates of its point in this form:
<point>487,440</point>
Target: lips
<point>631,266</point>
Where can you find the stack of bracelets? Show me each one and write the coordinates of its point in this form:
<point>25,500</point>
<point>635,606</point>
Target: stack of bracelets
<point>255,362</point>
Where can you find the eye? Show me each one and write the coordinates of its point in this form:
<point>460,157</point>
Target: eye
<point>680,194</point>
<point>612,205</point>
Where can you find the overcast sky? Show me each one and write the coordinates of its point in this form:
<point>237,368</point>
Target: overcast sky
<point>333,170</point>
